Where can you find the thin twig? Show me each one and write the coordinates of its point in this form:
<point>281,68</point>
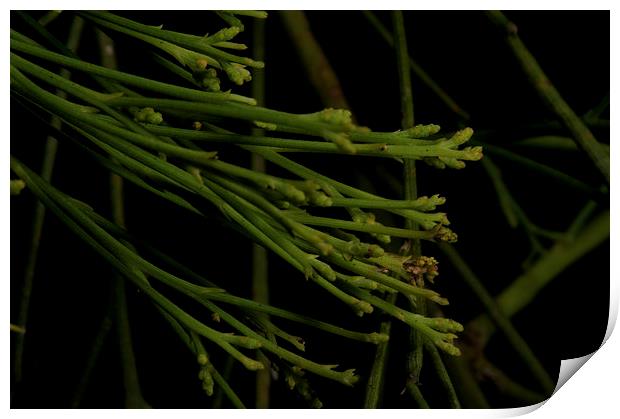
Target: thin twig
<point>506,385</point>
<point>443,375</point>
<point>133,393</point>
<point>51,146</point>
<point>542,169</point>
<point>527,286</point>
<point>418,70</point>
<point>376,379</point>
<point>220,391</point>
<point>547,91</point>
<point>260,267</point>
<point>467,386</point>
<point>49,17</point>
<point>318,68</point>
<point>500,318</point>
<point>416,354</point>
<point>93,356</point>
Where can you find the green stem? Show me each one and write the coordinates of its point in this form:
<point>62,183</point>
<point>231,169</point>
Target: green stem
<point>416,394</point>
<point>187,339</point>
<point>168,169</point>
<point>503,194</point>
<point>443,375</point>
<point>417,69</point>
<point>376,379</point>
<point>117,254</point>
<point>527,286</point>
<point>363,227</point>
<point>131,381</point>
<point>150,34</point>
<point>437,330</point>
<point>260,261</point>
<point>416,340</point>
<point>309,174</point>
<point>228,391</point>
<point>549,94</point>
<point>346,377</point>
<point>500,317</point>
<point>409,150</point>
<point>281,244</point>
<point>222,389</point>
<point>49,17</point>
<point>139,135</point>
<point>412,204</point>
<point>51,146</point>
<point>93,356</point>
<point>133,393</point>
<point>579,221</point>
<point>542,169</point>
<point>507,385</point>
<point>140,82</point>
<point>246,304</point>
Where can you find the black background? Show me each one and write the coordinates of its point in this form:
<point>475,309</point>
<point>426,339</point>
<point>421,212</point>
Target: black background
<point>465,54</point>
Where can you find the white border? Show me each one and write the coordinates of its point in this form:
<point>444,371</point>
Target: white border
<point>593,392</point>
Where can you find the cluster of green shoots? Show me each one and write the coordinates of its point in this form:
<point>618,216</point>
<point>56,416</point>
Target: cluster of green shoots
<point>169,140</point>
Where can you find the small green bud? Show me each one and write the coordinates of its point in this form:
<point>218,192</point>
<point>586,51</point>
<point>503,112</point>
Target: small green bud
<point>460,137</point>
<point>236,72</point>
<point>207,381</point>
<point>201,63</point>
<point>473,153</point>
<point>252,364</point>
<point>333,116</point>
<point>425,203</point>
<point>447,347</point>
<point>225,34</point>
<point>434,162</point>
<point>444,234</point>
<point>16,186</point>
<point>148,115</point>
<point>363,307</point>
<point>349,378</point>
<point>452,163</point>
<point>266,125</point>
<point>207,79</point>
<point>203,359</point>
<point>445,325</point>
<point>377,338</point>
<point>231,19</point>
<point>439,300</point>
<point>290,380</point>
<point>421,131</point>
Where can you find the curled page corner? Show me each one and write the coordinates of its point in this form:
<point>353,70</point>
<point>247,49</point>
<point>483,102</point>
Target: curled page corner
<point>568,368</point>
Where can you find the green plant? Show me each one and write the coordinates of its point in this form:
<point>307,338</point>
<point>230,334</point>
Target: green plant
<point>173,140</point>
